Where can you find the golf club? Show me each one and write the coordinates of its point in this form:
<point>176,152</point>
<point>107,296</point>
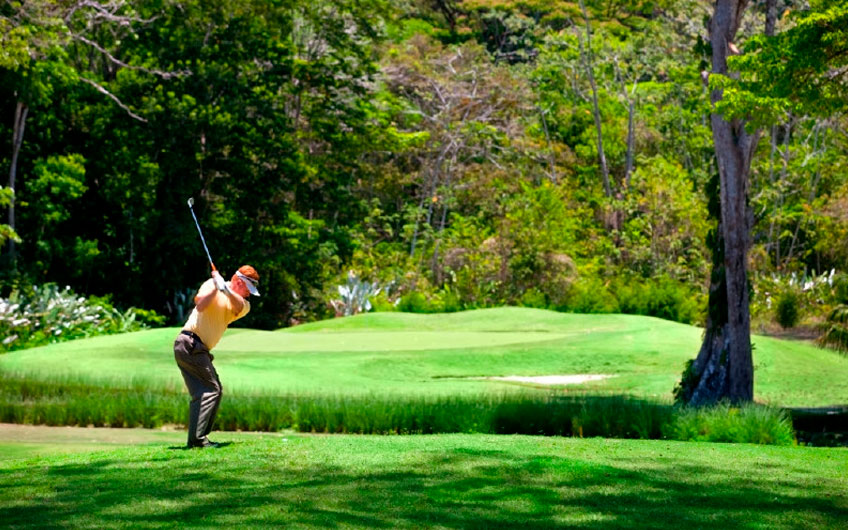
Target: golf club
<point>222,286</point>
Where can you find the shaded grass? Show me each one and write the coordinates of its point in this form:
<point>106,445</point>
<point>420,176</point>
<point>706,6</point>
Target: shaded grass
<point>25,400</point>
<point>446,481</point>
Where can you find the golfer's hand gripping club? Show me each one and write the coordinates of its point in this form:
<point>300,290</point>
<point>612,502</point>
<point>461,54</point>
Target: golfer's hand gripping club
<point>219,281</point>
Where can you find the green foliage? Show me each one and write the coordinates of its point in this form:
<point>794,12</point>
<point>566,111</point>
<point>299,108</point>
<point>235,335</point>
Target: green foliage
<point>800,70</point>
<point>660,297</point>
<point>723,423</point>
<point>448,150</point>
<point>6,232</point>
<point>840,288</point>
<point>47,314</point>
<point>787,309</point>
<point>57,181</point>
<point>834,331</point>
<point>416,302</point>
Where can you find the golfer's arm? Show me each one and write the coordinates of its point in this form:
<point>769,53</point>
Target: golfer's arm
<point>203,301</point>
<point>237,301</point>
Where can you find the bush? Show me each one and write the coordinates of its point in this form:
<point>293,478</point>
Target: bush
<point>47,314</point>
<point>723,423</point>
<point>835,329</point>
<point>840,288</point>
<point>788,309</point>
<point>416,302</point>
<point>660,297</point>
<point>591,295</point>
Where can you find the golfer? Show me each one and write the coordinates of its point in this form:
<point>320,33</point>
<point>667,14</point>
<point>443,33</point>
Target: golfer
<point>217,304</point>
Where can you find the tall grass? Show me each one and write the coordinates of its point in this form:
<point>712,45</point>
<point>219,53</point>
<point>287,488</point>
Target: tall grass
<point>75,401</point>
<point>724,423</point>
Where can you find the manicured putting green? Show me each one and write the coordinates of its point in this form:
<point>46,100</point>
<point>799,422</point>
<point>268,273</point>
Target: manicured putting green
<point>446,354</point>
<point>438,481</point>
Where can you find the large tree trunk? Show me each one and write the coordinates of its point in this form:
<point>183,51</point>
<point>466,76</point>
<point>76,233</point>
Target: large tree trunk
<point>21,111</point>
<point>724,367</point>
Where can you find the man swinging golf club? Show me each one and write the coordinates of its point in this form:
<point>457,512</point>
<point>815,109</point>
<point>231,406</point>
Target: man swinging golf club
<point>217,305</point>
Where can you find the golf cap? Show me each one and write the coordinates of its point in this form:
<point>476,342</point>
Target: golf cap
<point>250,278</point>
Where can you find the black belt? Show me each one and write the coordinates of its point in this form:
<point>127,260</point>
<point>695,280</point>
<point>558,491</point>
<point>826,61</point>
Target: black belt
<point>192,335</point>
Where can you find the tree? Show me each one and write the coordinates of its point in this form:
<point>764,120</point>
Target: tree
<point>724,367</point>
<point>802,69</point>
<point>36,38</point>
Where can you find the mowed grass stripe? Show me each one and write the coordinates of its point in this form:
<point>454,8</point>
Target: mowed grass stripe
<point>443,354</point>
<point>453,481</point>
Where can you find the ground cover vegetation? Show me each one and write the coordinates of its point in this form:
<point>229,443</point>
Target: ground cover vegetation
<point>444,480</point>
<point>80,403</point>
<point>454,154</point>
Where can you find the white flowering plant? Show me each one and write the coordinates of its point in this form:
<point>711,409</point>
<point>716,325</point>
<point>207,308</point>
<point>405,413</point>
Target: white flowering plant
<point>47,314</point>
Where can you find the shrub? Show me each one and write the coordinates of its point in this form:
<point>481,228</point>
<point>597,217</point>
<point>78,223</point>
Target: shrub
<point>47,314</point>
<point>591,295</point>
<point>840,288</point>
<point>416,302</point>
<point>788,309</point>
<point>724,423</point>
<point>661,297</point>
<point>835,329</point>
<point>533,298</point>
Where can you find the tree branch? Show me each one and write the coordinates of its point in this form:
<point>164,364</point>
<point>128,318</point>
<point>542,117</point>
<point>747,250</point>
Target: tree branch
<point>114,98</point>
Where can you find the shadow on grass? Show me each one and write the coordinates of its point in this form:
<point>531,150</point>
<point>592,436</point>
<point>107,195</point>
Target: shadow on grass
<point>221,445</point>
<point>455,487</point>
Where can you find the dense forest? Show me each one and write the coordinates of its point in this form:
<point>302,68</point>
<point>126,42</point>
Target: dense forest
<point>424,155</point>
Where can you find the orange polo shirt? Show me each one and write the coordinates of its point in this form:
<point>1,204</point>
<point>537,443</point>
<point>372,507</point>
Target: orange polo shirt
<point>211,324</point>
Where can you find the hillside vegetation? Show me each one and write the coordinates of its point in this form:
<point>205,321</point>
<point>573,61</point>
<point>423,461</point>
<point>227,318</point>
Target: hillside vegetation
<point>447,152</point>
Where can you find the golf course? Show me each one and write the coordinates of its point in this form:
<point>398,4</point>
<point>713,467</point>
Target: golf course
<point>93,477</point>
<point>429,264</point>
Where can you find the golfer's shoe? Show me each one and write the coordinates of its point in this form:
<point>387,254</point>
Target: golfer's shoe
<point>204,444</point>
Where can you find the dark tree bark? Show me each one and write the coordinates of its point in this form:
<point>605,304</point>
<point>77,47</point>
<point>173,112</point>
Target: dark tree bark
<point>724,367</point>
<point>771,16</point>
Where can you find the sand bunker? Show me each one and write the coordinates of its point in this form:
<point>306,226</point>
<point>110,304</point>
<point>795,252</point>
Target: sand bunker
<point>573,379</point>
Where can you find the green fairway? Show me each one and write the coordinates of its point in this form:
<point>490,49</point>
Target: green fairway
<point>446,354</point>
<point>443,481</point>
<point>26,441</point>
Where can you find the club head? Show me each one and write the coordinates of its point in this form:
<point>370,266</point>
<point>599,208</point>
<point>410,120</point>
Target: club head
<point>190,202</point>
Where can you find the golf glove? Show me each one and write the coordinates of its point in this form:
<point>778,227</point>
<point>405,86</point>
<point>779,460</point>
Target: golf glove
<point>219,281</point>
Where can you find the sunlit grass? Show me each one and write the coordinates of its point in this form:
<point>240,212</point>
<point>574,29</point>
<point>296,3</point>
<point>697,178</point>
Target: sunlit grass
<point>447,355</point>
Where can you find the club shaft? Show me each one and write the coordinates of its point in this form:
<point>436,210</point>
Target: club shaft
<point>202,239</point>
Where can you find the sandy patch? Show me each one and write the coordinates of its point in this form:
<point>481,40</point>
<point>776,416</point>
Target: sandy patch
<point>573,379</point>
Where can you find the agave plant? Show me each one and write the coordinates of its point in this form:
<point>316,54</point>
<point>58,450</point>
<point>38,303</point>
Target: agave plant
<point>355,296</point>
<point>835,329</point>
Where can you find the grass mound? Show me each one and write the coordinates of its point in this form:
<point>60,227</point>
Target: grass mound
<point>443,355</point>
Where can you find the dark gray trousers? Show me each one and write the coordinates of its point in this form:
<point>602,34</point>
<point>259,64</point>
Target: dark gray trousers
<point>202,381</point>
